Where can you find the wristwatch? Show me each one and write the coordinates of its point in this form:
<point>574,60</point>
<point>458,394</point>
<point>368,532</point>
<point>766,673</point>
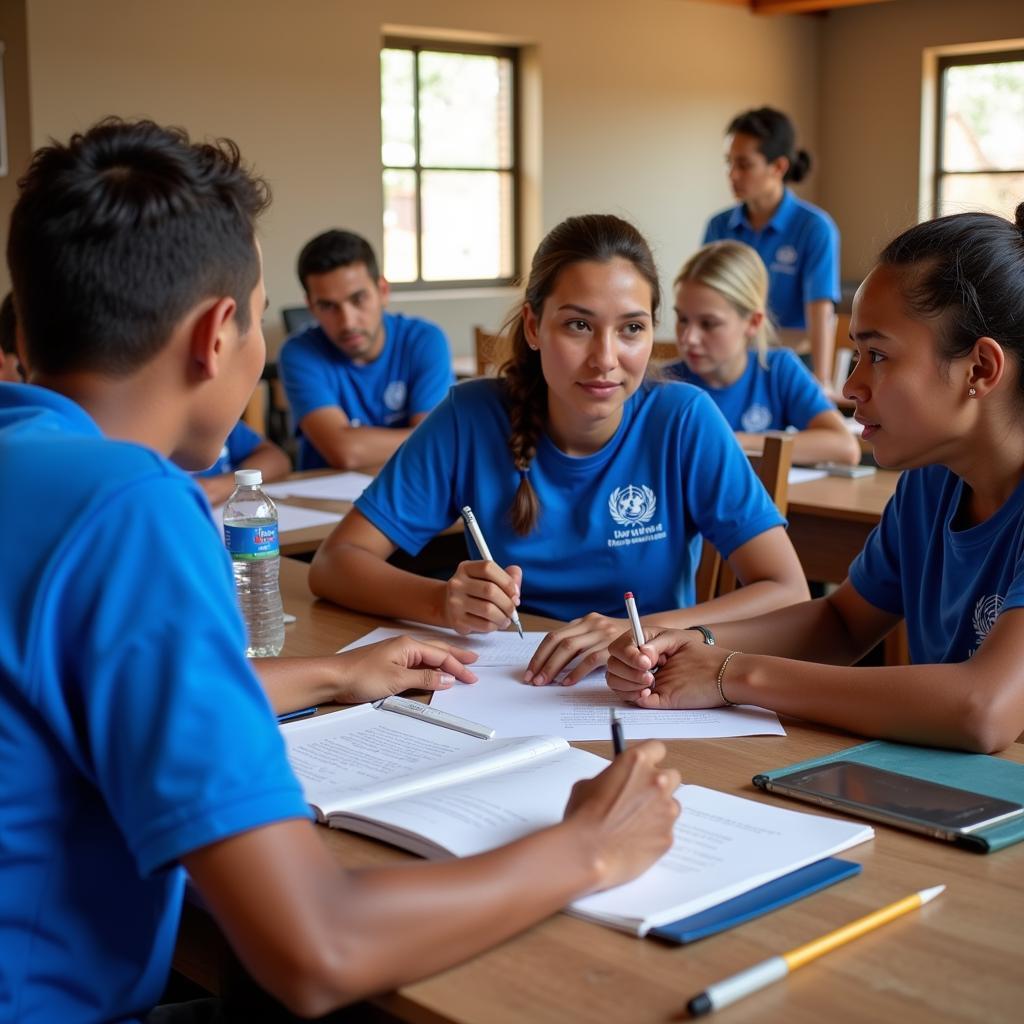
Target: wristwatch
<point>709,637</point>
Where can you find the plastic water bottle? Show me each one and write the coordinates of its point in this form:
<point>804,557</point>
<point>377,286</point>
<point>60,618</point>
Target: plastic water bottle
<point>250,532</point>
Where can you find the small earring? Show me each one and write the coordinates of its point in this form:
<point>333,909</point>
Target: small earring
<point>971,392</point>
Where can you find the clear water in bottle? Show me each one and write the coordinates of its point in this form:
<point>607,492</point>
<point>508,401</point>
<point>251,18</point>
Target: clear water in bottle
<point>250,532</point>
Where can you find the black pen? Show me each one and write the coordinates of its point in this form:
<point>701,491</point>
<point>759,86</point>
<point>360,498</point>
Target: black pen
<point>618,739</point>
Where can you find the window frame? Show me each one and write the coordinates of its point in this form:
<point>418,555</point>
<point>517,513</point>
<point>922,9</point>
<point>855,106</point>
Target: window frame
<point>945,62</point>
<point>514,170</point>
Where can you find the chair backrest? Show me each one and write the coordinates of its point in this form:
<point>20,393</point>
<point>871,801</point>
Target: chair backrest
<point>485,347</point>
<point>844,353</point>
<point>295,318</point>
<point>714,577</point>
<point>664,352</point>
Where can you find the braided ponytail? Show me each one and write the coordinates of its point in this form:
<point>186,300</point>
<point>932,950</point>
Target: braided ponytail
<point>597,238</point>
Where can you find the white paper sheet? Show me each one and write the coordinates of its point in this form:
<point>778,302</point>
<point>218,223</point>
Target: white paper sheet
<point>801,474</point>
<point>330,487</point>
<point>502,700</point>
<point>291,517</point>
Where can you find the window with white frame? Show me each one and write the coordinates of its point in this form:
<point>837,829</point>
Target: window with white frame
<point>449,163</point>
<point>979,160</point>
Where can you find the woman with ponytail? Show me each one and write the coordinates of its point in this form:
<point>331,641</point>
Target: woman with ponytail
<point>798,242</point>
<point>939,387</point>
<point>586,478</point>
<point>724,337</point>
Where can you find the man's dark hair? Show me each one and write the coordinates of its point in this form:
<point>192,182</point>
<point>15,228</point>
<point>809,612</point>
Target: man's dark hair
<point>8,326</point>
<point>335,249</point>
<point>118,234</point>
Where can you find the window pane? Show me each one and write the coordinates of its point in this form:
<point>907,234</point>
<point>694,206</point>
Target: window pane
<point>465,110</point>
<point>467,225</point>
<point>400,225</point>
<point>988,193</point>
<point>397,108</point>
<point>983,127</point>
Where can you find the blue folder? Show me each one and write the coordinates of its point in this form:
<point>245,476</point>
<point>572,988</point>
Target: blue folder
<point>770,896</point>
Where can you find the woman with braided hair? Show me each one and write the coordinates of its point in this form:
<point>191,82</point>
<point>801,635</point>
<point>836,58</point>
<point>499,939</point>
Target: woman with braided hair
<point>587,479</point>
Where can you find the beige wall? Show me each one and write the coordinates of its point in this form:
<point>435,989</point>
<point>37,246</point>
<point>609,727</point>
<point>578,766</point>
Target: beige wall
<point>12,35</point>
<point>870,130</point>
<point>633,99</point>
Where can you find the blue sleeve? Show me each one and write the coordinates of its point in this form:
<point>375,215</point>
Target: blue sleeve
<point>713,232</point>
<point>413,497</point>
<point>174,728</point>
<point>821,267</point>
<point>729,504</point>
<point>432,375</point>
<point>242,442</point>
<point>307,380</point>
<point>875,572</point>
<point>801,395</point>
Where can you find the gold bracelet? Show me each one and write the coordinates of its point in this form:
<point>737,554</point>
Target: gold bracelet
<point>721,676</point>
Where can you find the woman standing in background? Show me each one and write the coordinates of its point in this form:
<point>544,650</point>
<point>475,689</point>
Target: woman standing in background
<point>798,242</point>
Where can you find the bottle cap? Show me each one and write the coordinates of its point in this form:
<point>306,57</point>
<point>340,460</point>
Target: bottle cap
<point>248,477</point>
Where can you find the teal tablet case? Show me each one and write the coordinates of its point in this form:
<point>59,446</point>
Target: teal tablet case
<point>765,898</point>
<point>991,776</point>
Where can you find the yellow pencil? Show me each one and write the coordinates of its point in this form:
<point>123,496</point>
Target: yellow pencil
<point>723,993</point>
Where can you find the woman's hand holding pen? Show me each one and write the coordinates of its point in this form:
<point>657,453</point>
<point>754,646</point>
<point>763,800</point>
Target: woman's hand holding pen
<point>586,638</point>
<point>687,676</point>
<point>626,813</point>
<point>481,597</point>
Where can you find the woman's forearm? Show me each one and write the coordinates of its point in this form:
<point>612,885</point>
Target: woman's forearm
<point>359,579</point>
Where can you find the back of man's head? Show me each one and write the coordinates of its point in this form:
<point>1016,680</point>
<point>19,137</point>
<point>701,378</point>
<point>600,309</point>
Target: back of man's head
<point>334,249</point>
<point>118,234</point>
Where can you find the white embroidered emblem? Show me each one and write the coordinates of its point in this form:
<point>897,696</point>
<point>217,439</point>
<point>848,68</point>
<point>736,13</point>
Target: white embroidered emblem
<point>786,254</point>
<point>394,395</point>
<point>632,505</point>
<point>986,611</point>
<point>756,419</point>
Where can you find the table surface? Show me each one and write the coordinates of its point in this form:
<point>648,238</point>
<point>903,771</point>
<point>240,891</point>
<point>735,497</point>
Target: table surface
<point>959,959</point>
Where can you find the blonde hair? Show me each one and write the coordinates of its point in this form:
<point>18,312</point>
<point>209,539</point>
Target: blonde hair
<point>736,272</point>
<point>598,238</point>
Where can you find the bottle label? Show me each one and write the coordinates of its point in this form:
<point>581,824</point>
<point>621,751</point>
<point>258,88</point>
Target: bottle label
<point>247,543</point>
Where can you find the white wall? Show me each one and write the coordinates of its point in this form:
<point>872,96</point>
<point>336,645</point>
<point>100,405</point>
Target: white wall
<point>871,75</point>
<point>632,104</point>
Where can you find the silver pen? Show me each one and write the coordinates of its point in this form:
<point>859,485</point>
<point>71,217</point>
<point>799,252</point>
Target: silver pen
<point>425,713</point>
<point>481,545</point>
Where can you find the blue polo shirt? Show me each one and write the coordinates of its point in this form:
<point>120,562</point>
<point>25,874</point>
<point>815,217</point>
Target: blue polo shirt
<point>950,585</point>
<point>132,729</point>
<point>240,444</point>
<point>800,248</point>
<point>629,517</point>
<point>780,395</point>
<point>409,377</point>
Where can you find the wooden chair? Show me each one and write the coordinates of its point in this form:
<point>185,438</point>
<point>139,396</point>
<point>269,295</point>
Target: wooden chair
<point>487,351</point>
<point>843,354</point>
<point>714,577</point>
<point>664,352</point>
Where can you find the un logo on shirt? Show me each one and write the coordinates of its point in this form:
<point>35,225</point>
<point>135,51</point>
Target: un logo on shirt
<point>632,505</point>
<point>786,254</point>
<point>394,395</point>
<point>756,419</point>
<point>986,611</point>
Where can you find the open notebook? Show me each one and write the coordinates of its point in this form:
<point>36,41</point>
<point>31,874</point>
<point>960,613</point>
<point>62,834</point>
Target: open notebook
<point>440,793</point>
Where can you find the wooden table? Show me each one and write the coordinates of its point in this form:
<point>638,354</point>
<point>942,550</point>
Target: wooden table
<point>959,959</point>
<point>830,519</point>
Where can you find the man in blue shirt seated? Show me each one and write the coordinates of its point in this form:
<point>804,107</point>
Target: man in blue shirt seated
<point>360,379</point>
<point>136,740</point>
